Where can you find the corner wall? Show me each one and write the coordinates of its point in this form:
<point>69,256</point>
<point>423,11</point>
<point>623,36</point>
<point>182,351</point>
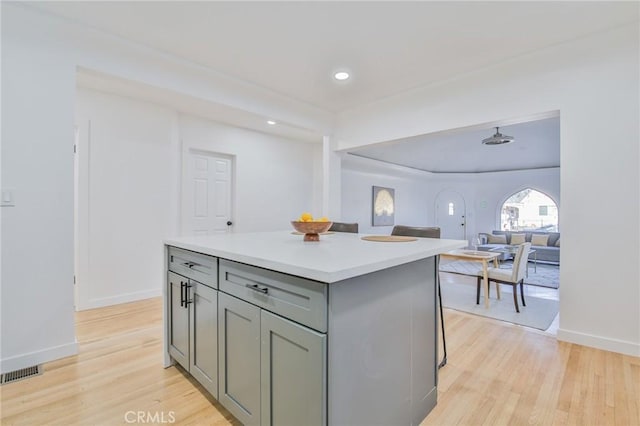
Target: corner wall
<point>594,84</point>
<point>127,197</point>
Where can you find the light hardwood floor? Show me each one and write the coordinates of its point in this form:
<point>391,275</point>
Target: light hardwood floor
<point>497,374</point>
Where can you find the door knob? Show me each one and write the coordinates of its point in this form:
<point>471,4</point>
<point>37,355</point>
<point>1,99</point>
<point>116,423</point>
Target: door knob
<point>229,223</point>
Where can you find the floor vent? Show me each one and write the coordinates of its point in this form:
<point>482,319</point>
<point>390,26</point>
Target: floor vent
<point>23,373</point>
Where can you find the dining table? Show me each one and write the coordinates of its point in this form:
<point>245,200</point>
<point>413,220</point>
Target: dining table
<point>478,256</point>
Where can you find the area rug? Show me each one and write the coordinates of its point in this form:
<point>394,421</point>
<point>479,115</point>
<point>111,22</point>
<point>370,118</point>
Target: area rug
<point>539,313</point>
<point>544,276</point>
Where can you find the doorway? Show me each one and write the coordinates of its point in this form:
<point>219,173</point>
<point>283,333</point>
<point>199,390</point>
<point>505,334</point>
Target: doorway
<point>206,193</point>
<point>451,216</point>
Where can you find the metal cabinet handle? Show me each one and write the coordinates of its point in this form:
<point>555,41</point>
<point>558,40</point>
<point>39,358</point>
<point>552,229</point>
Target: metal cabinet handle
<point>181,293</point>
<point>187,298</point>
<point>190,264</point>
<point>256,287</point>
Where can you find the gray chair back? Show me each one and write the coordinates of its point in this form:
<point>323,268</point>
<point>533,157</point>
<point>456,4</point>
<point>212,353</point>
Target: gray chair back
<point>344,227</point>
<point>416,231</point>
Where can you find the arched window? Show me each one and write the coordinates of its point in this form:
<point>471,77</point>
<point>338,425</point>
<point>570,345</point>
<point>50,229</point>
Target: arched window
<point>529,210</point>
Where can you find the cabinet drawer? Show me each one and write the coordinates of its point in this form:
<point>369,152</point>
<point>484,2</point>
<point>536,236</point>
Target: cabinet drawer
<point>301,300</point>
<point>199,267</point>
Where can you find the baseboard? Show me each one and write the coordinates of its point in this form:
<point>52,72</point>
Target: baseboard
<point>121,298</point>
<point>599,342</point>
<point>34,358</point>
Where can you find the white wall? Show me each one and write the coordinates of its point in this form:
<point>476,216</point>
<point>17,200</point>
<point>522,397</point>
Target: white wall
<point>412,194</point>
<point>484,193</point>
<point>38,90</point>
<point>130,170</point>
<point>40,56</point>
<point>127,197</point>
<point>274,178</point>
<point>594,84</point>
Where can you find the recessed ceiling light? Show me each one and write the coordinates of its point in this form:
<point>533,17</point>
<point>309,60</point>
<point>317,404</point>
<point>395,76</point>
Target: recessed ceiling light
<point>341,75</point>
<point>271,122</point>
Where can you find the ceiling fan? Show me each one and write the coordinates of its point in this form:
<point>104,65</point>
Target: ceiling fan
<point>498,139</point>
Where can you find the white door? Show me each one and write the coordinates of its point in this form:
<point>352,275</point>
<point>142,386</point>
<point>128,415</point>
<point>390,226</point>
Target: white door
<point>206,194</point>
<point>451,215</point>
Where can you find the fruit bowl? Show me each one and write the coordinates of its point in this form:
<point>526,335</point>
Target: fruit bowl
<point>311,229</point>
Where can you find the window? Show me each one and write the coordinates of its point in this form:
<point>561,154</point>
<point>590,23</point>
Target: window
<point>450,209</point>
<point>529,210</point>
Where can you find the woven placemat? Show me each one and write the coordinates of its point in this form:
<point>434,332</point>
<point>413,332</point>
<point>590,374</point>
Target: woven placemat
<point>389,238</point>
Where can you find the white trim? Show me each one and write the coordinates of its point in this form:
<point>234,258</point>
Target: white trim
<point>166,358</point>
<point>600,342</point>
<point>34,358</point>
<point>121,298</point>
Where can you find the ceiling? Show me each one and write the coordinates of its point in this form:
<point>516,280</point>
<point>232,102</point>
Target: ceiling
<point>293,48</point>
<point>536,146</point>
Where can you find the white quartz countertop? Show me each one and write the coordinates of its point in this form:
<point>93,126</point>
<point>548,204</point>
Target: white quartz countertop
<point>335,257</point>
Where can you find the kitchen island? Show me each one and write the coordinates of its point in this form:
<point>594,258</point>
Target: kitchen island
<point>281,331</point>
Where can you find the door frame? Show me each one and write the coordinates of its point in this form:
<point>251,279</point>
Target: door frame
<point>81,215</point>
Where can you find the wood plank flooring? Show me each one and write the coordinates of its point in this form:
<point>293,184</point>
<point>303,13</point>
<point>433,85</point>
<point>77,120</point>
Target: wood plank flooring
<point>497,374</point>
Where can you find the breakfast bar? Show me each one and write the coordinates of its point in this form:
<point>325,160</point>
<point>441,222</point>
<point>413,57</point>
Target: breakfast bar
<point>285,331</point>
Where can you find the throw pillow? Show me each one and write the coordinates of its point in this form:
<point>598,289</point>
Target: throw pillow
<point>539,240</point>
<point>517,239</point>
<point>558,242</point>
<point>497,239</point>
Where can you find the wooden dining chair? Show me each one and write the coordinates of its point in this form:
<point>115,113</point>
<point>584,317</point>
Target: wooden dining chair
<point>344,227</point>
<point>427,232</point>
<point>513,276</point>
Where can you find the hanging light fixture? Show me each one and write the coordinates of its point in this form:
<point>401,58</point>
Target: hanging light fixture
<point>498,139</point>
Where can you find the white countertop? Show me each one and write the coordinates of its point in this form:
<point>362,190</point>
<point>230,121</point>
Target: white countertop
<point>335,257</point>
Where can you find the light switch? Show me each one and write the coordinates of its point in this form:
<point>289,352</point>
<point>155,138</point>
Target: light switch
<point>8,199</point>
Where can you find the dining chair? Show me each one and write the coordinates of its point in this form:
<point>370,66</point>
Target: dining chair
<point>513,276</point>
<point>427,232</point>
<point>344,227</point>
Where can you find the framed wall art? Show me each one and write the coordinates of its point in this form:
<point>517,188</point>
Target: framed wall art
<point>383,206</point>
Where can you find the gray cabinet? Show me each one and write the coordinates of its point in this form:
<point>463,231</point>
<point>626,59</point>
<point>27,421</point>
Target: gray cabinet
<point>293,373</point>
<point>239,355</point>
<point>301,300</point>
<point>178,315</point>
<point>193,329</point>
<point>272,370</point>
<point>262,341</point>
<point>203,337</point>
<point>197,266</point>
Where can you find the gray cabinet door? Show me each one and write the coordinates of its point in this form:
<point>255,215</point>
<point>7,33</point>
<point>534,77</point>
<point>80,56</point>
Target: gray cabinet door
<point>178,331</point>
<point>203,348</point>
<point>293,370</point>
<point>239,358</point>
